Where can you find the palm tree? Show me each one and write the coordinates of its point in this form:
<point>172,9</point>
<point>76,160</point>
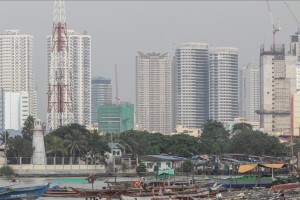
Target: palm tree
<point>55,147</point>
<point>75,144</point>
<point>97,147</point>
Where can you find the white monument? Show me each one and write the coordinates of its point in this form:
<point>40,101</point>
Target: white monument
<point>38,156</point>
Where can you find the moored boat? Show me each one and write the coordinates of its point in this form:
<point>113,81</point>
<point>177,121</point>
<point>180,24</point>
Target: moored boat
<point>245,182</point>
<point>19,193</point>
<point>112,193</point>
<point>61,192</point>
<point>148,196</point>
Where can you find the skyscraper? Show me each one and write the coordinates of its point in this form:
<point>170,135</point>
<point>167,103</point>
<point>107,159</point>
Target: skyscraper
<point>223,84</point>
<point>249,92</point>
<point>79,62</point>
<point>153,92</point>
<point>16,66</point>
<point>101,95</point>
<point>191,84</point>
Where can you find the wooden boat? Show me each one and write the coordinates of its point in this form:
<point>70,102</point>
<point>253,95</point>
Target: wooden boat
<point>245,182</point>
<point>19,193</point>
<point>148,196</point>
<point>178,185</point>
<point>251,181</point>
<point>112,193</point>
<point>284,187</point>
<point>62,192</point>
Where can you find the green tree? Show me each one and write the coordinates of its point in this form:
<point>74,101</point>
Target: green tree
<point>183,145</point>
<point>27,130</point>
<point>54,146</point>
<point>241,127</point>
<point>96,147</point>
<point>18,147</point>
<point>255,143</point>
<point>214,138</point>
<point>141,168</point>
<point>75,144</point>
<point>187,167</point>
<point>62,131</point>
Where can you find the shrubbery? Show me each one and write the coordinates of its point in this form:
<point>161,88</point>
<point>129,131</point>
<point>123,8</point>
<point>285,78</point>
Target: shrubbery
<point>6,171</point>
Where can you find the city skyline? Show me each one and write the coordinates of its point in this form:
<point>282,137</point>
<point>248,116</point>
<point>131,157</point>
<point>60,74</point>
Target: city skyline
<point>217,23</point>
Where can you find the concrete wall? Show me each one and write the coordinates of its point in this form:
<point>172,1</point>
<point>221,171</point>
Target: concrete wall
<point>57,169</point>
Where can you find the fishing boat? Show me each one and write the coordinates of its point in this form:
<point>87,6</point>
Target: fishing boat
<point>60,192</point>
<point>250,181</point>
<point>148,196</point>
<point>22,193</point>
<point>245,182</point>
<point>112,193</point>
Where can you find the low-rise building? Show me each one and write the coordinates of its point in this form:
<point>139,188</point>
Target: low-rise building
<point>163,162</point>
<point>196,132</point>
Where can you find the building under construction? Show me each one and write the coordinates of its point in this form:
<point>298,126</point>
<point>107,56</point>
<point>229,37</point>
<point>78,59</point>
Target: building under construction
<point>277,82</point>
<point>115,118</point>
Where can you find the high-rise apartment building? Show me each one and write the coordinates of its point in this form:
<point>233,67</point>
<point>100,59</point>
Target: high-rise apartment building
<point>191,84</point>
<point>101,95</point>
<point>16,66</point>
<point>154,92</point>
<point>249,92</point>
<point>278,83</point>
<point>79,60</point>
<point>223,84</point>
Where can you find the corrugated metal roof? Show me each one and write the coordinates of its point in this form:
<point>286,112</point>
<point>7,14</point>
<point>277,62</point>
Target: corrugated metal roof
<point>171,158</point>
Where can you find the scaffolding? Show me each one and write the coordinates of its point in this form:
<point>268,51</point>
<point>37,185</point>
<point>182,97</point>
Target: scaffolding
<point>116,118</point>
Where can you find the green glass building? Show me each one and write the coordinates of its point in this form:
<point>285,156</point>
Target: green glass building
<point>116,118</point>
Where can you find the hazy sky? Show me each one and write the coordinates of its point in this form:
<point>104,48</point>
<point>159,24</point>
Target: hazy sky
<point>120,28</point>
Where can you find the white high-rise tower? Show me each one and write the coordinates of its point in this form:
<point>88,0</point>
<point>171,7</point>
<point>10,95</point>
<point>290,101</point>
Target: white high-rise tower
<point>191,84</point>
<point>223,84</point>
<point>153,92</point>
<point>16,66</point>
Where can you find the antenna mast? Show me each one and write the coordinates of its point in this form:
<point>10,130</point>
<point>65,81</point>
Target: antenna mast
<point>60,104</point>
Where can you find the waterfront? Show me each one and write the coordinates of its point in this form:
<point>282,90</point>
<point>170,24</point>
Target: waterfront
<point>76,182</point>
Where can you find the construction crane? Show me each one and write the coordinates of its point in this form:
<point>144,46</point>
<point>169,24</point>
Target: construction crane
<point>117,98</point>
<point>294,16</point>
<point>276,26</point>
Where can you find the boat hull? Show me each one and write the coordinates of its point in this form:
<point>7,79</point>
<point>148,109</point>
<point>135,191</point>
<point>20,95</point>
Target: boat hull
<point>23,192</point>
<point>245,182</point>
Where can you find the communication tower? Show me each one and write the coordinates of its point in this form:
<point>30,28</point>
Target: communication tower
<point>60,104</point>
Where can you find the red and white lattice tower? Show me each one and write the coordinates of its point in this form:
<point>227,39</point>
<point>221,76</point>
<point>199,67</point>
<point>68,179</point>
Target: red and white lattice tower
<point>60,104</point>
